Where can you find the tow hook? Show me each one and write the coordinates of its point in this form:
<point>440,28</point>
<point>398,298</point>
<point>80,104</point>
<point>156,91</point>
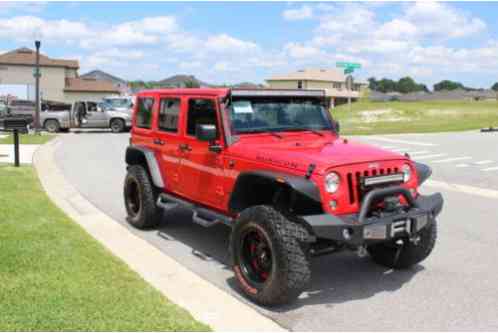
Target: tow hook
<point>361,251</point>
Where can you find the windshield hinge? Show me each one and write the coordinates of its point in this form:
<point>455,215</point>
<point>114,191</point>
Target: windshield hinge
<point>310,170</point>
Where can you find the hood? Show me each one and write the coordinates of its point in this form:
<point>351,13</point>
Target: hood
<point>298,152</point>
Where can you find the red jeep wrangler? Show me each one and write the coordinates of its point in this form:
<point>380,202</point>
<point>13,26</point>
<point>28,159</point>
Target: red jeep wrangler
<point>271,165</point>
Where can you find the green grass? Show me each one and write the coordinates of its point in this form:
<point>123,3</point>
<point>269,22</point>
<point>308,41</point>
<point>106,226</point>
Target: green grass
<point>415,117</point>
<point>28,139</point>
<point>55,277</point>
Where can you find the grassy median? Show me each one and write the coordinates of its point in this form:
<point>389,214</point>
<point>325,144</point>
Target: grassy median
<point>27,139</point>
<point>415,117</point>
<point>55,277</point>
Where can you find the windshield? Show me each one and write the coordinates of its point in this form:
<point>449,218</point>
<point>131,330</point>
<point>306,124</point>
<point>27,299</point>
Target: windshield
<point>253,115</point>
<point>114,103</point>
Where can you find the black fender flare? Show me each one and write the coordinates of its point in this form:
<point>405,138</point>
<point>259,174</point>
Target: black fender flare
<point>423,172</point>
<point>298,184</point>
<point>144,155</point>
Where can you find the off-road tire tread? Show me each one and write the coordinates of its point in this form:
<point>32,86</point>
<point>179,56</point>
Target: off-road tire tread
<point>149,215</point>
<point>410,255</point>
<point>293,273</point>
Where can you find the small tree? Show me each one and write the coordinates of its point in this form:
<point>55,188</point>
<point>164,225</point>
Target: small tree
<point>495,86</point>
<point>448,85</point>
<point>192,84</point>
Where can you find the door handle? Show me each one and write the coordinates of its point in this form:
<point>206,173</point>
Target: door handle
<point>185,147</point>
<point>159,142</point>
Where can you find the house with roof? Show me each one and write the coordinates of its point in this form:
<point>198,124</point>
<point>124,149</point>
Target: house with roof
<point>118,83</point>
<point>59,79</point>
<point>332,81</point>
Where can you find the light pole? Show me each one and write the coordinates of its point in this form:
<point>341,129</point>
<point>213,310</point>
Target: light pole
<point>37,75</point>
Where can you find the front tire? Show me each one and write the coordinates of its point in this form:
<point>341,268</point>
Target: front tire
<point>270,258</point>
<point>408,254</point>
<point>52,126</point>
<point>117,125</point>
<point>140,198</point>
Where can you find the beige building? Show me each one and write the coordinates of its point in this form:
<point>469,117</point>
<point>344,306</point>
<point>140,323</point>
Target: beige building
<point>332,81</point>
<point>59,80</point>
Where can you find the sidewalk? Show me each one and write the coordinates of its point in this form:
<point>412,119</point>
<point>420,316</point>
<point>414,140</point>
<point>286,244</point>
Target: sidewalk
<point>203,300</point>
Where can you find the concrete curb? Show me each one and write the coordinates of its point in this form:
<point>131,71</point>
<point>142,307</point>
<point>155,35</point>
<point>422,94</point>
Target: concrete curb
<point>206,302</point>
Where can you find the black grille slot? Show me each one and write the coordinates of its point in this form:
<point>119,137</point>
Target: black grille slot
<point>356,192</point>
<point>350,188</point>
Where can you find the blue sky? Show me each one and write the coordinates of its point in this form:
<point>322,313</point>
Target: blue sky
<point>224,42</point>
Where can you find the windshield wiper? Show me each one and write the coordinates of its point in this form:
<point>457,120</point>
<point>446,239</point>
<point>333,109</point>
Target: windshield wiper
<point>250,131</point>
<point>303,129</point>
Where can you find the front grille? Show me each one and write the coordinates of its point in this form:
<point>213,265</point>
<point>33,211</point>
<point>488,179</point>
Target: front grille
<point>356,193</point>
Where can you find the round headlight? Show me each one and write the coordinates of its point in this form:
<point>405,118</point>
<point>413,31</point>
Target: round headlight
<point>407,172</point>
<point>332,182</point>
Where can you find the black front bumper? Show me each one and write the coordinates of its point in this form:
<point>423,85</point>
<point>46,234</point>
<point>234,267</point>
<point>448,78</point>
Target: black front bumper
<point>359,229</point>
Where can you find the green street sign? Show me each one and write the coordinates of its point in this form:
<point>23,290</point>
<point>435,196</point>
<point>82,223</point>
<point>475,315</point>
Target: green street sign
<point>36,73</point>
<point>348,70</point>
<point>344,64</point>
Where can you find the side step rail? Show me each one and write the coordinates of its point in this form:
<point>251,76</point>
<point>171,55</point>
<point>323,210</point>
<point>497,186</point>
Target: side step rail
<point>202,216</point>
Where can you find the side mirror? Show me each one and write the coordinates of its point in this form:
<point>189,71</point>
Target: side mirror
<point>205,132</point>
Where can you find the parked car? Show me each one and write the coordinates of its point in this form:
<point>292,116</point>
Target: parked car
<point>55,117</point>
<point>272,166</point>
<point>85,114</point>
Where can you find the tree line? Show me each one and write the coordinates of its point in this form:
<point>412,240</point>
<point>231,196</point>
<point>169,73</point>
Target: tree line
<point>408,85</point>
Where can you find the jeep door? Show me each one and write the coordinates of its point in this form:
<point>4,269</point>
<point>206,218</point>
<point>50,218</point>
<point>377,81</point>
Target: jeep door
<point>201,170</point>
<point>167,138</point>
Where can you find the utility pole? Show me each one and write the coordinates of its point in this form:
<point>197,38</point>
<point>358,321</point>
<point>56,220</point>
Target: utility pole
<point>37,75</point>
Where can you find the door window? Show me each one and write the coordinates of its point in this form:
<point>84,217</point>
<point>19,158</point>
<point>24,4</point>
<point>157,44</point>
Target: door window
<point>168,114</point>
<point>200,111</point>
<point>144,112</point>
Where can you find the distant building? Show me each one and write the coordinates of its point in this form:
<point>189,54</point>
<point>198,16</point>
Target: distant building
<point>331,80</point>
<point>117,82</point>
<point>182,81</point>
<point>59,80</point>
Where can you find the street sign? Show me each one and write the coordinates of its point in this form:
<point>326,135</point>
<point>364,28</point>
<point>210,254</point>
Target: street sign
<point>36,72</point>
<point>348,70</point>
<point>344,64</point>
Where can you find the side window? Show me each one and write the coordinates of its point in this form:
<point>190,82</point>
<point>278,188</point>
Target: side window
<point>168,114</point>
<point>144,112</point>
<point>200,111</point>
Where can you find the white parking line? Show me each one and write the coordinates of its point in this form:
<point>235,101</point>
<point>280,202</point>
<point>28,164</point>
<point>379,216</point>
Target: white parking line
<point>483,162</point>
<point>490,169</point>
<point>413,143</point>
<point>423,157</point>
<point>420,152</point>
<point>387,147</point>
<point>483,192</point>
<point>453,159</point>
<point>462,165</point>
<point>398,149</point>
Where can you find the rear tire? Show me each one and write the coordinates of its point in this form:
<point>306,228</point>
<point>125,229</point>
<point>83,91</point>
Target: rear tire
<point>52,126</point>
<point>270,258</point>
<point>140,198</point>
<point>117,125</point>
<point>408,254</point>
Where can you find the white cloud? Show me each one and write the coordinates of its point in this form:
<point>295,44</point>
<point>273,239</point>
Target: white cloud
<point>294,14</point>
<point>434,18</point>
<point>299,51</point>
<point>30,27</point>
<point>228,44</point>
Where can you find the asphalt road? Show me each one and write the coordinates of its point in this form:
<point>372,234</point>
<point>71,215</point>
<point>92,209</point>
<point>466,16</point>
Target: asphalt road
<point>454,289</point>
